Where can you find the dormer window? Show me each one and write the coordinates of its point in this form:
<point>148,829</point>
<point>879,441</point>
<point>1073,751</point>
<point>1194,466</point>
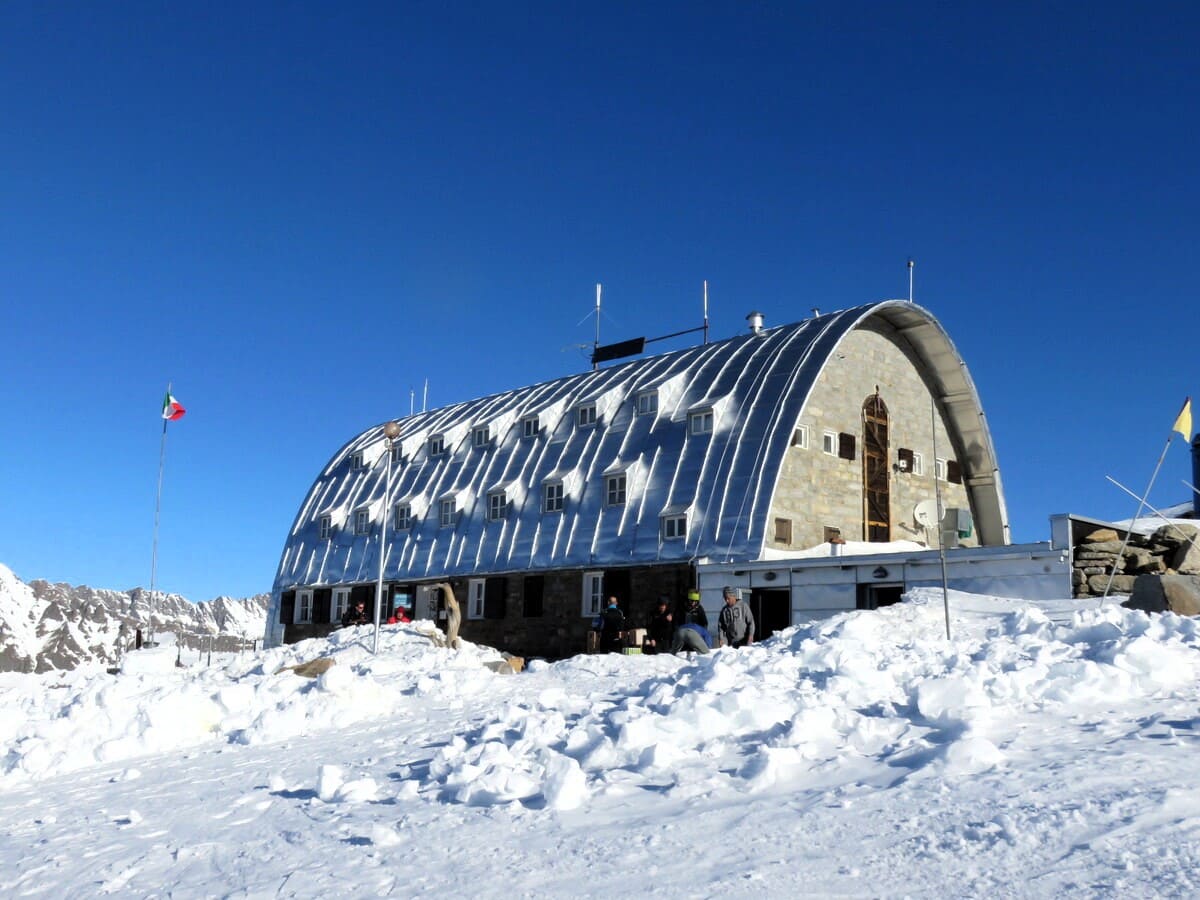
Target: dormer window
<point>362,521</point>
<point>701,421</point>
<point>674,527</point>
<point>447,513</point>
<point>497,505</point>
<point>585,416</point>
<point>437,445</point>
<point>482,435</point>
<point>553,499</point>
<point>530,427</point>
<point>356,461</point>
<point>325,527</point>
<point>397,453</point>
<point>402,516</point>
<point>614,489</point>
<point>647,403</point>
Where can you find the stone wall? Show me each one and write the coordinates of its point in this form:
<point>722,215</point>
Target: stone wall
<point>1171,550</point>
<point>818,490</point>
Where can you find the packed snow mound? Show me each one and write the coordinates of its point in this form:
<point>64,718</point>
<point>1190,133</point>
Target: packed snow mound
<point>63,722</point>
<point>865,696</point>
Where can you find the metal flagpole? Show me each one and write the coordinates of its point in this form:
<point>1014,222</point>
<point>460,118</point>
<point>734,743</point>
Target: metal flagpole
<point>162,452</point>
<point>390,432</point>
<point>1166,521</point>
<point>941,531</point>
<point>1141,504</point>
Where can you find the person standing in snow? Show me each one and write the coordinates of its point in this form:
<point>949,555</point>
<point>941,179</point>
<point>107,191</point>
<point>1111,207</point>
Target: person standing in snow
<point>356,615</point>
<point>612,627</point>
<point>694,613</point>
<point>662,628</point>
<point>736,622</point>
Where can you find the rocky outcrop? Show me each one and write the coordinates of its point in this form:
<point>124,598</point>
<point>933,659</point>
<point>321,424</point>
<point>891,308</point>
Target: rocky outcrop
<point>46,626</point>
<point>1179,594</point>
<point>1104,555</point>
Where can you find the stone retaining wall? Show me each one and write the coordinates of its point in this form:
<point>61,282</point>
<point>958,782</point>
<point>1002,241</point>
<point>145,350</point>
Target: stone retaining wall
<point>1143,567</point>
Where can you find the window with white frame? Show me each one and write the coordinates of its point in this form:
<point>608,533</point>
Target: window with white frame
<point>530,426</point>
<point>325,524</point>
<point>497,505</point>
<point>397,453</point>
<point>585,415</point>
<point>593,593</point>
<point>800,437</point>
<point>939,469</point>
<point>483,435</point>
<point>701,421</point>
<point>437,444</point>
<point>647,403</point>
<point>356,461</point>
<point>918,464</point>
<point>476,592</point>
<point>402,516</point>
<point>304,606</point>
<point>614,489</point>
<point>341,603</point>
<point>674,527</point>
<point>447,513</point>
<point>362,521</point>
<point>829,443</point>
<point>553,500</point>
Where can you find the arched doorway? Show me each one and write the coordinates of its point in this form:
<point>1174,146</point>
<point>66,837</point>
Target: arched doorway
<point>877,505</point>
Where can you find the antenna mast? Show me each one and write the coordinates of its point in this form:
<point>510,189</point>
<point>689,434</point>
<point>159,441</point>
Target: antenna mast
<point>706,310</point>
<point>910,279</point>
<point>596,345</point>
<point>425,395</point>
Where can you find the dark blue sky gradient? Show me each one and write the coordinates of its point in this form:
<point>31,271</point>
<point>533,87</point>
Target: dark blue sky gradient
<point>298,212</point>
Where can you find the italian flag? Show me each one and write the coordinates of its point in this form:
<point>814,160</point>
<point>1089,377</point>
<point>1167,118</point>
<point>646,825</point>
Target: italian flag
<point>172,409</point>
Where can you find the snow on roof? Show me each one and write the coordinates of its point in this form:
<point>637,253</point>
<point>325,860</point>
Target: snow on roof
<point>756,386</point>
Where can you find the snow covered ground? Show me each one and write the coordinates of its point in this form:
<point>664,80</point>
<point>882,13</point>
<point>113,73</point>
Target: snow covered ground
<point>1030,756</point>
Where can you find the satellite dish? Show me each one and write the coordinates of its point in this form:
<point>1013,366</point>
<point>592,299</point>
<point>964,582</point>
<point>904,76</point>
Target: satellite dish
<point>926,514</point>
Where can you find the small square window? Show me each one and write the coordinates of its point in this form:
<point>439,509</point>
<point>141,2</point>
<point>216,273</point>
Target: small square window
<point>437,445</point>
<point>614,490</point>
<point>554,497</point>
<point>362,521</point>
<point>483,436</point>
<point>585,416</point>
<point>800,437</point>
<point>783,531</point>
<point>647,403</point>
<point>831,533</point>
<point>402,516</point>
<point>447,513</point>
<point>939,469</point>
<point>325,523</point>
<point>701,422</point>
<point>674,527</point>
<point>356,461</point>
<point>829,443</point>
<point>530,426</point>
<point>497,505</point>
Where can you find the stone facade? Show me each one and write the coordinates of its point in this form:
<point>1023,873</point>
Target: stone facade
<point>1098,556</point>
<point>819,490</point>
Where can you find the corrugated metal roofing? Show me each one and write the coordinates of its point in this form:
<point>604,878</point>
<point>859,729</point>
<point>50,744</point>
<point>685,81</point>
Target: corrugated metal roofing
<point>752,388</point>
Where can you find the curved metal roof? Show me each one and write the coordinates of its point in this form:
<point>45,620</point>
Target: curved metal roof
<point>754,386</point>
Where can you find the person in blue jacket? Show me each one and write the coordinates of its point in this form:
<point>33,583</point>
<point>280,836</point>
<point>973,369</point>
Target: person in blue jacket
<point>691,637</point>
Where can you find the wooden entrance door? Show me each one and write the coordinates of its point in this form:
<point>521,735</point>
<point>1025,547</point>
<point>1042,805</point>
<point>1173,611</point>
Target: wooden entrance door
<point>876,492</point>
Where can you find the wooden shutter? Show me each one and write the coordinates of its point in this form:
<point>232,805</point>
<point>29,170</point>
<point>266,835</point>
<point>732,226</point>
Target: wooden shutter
<point>953,472</point>
<point>495,601</point>
<point>535,590</point>
<point>783,531</point>
<point>846,446</point>
<point>287,607</point>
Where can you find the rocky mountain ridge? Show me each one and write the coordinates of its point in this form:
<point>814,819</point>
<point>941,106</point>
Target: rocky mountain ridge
<point>46,626</point>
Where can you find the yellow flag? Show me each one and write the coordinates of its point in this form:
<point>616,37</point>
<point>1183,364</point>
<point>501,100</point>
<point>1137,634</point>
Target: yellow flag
<point>1183,422</point>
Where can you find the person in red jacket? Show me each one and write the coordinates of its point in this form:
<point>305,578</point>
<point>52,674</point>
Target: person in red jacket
<point>398,617</point>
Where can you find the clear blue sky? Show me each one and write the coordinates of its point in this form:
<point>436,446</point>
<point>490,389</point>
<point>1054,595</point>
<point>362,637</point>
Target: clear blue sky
<point>298,212</point>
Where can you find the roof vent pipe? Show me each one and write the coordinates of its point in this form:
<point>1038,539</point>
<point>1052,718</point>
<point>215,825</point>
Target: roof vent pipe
<point>756,322</point>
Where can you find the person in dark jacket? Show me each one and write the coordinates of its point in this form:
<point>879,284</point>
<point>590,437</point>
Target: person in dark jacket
<point>612,628</point>
<point>694,613</point>
<point>736,622</point>
<point>355,615</point>
<point>662,628</point>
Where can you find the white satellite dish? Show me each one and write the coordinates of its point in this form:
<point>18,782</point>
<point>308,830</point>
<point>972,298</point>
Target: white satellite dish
<point>926,514</point>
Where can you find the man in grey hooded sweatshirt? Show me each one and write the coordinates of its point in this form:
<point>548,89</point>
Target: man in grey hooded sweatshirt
<point>736,622</point>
